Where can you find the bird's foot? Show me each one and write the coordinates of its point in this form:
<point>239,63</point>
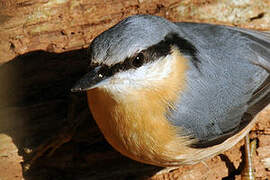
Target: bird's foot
<point>77,113</point>
<point>48,148</point>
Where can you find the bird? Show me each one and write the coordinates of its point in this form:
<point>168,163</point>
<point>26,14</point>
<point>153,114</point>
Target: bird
<point>175,93</point>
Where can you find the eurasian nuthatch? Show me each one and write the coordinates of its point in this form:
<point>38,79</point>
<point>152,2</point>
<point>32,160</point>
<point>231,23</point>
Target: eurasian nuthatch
<point>168,93</point>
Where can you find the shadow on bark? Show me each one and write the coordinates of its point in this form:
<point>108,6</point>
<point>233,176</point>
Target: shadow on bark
<point>34,93</point>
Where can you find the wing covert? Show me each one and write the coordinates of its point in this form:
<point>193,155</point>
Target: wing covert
<point>231,86</point>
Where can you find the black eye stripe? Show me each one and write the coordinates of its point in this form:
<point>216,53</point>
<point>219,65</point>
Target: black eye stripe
<point>152,53</point>
<point>122,66</point>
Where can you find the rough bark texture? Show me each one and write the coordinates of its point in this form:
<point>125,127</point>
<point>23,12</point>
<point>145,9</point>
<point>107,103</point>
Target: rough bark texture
<point>63,25</point>
<point>44,42</point>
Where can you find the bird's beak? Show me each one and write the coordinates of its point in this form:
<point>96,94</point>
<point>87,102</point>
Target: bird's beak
<point>91,80</point>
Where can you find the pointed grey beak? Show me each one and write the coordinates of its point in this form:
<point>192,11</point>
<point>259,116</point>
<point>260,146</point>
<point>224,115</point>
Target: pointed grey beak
<point>91,79</point>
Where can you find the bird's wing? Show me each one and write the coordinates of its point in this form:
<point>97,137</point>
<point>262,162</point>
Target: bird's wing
<point>231,86</point>
<point>260,45</point>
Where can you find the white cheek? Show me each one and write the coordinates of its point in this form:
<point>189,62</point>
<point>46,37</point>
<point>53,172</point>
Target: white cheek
<point>142,77</point>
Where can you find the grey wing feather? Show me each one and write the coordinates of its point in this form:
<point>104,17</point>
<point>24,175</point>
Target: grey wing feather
<point>260,46</point>
<point>231,86</point>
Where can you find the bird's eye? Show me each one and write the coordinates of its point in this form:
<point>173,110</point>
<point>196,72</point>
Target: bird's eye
<point>138,60</point>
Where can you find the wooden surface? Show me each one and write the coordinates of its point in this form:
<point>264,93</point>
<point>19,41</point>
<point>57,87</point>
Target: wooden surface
<point>34,86</point>
<point>64,25</point>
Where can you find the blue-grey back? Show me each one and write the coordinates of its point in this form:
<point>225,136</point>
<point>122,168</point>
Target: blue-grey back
<point>219,89</point>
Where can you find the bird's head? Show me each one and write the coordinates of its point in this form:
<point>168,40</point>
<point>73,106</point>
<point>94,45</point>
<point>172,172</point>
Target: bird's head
<point>137,53</point>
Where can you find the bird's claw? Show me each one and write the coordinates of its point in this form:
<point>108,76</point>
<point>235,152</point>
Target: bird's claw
<point>48,148</point>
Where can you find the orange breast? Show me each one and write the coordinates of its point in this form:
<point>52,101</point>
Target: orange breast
<point>136,125</point>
